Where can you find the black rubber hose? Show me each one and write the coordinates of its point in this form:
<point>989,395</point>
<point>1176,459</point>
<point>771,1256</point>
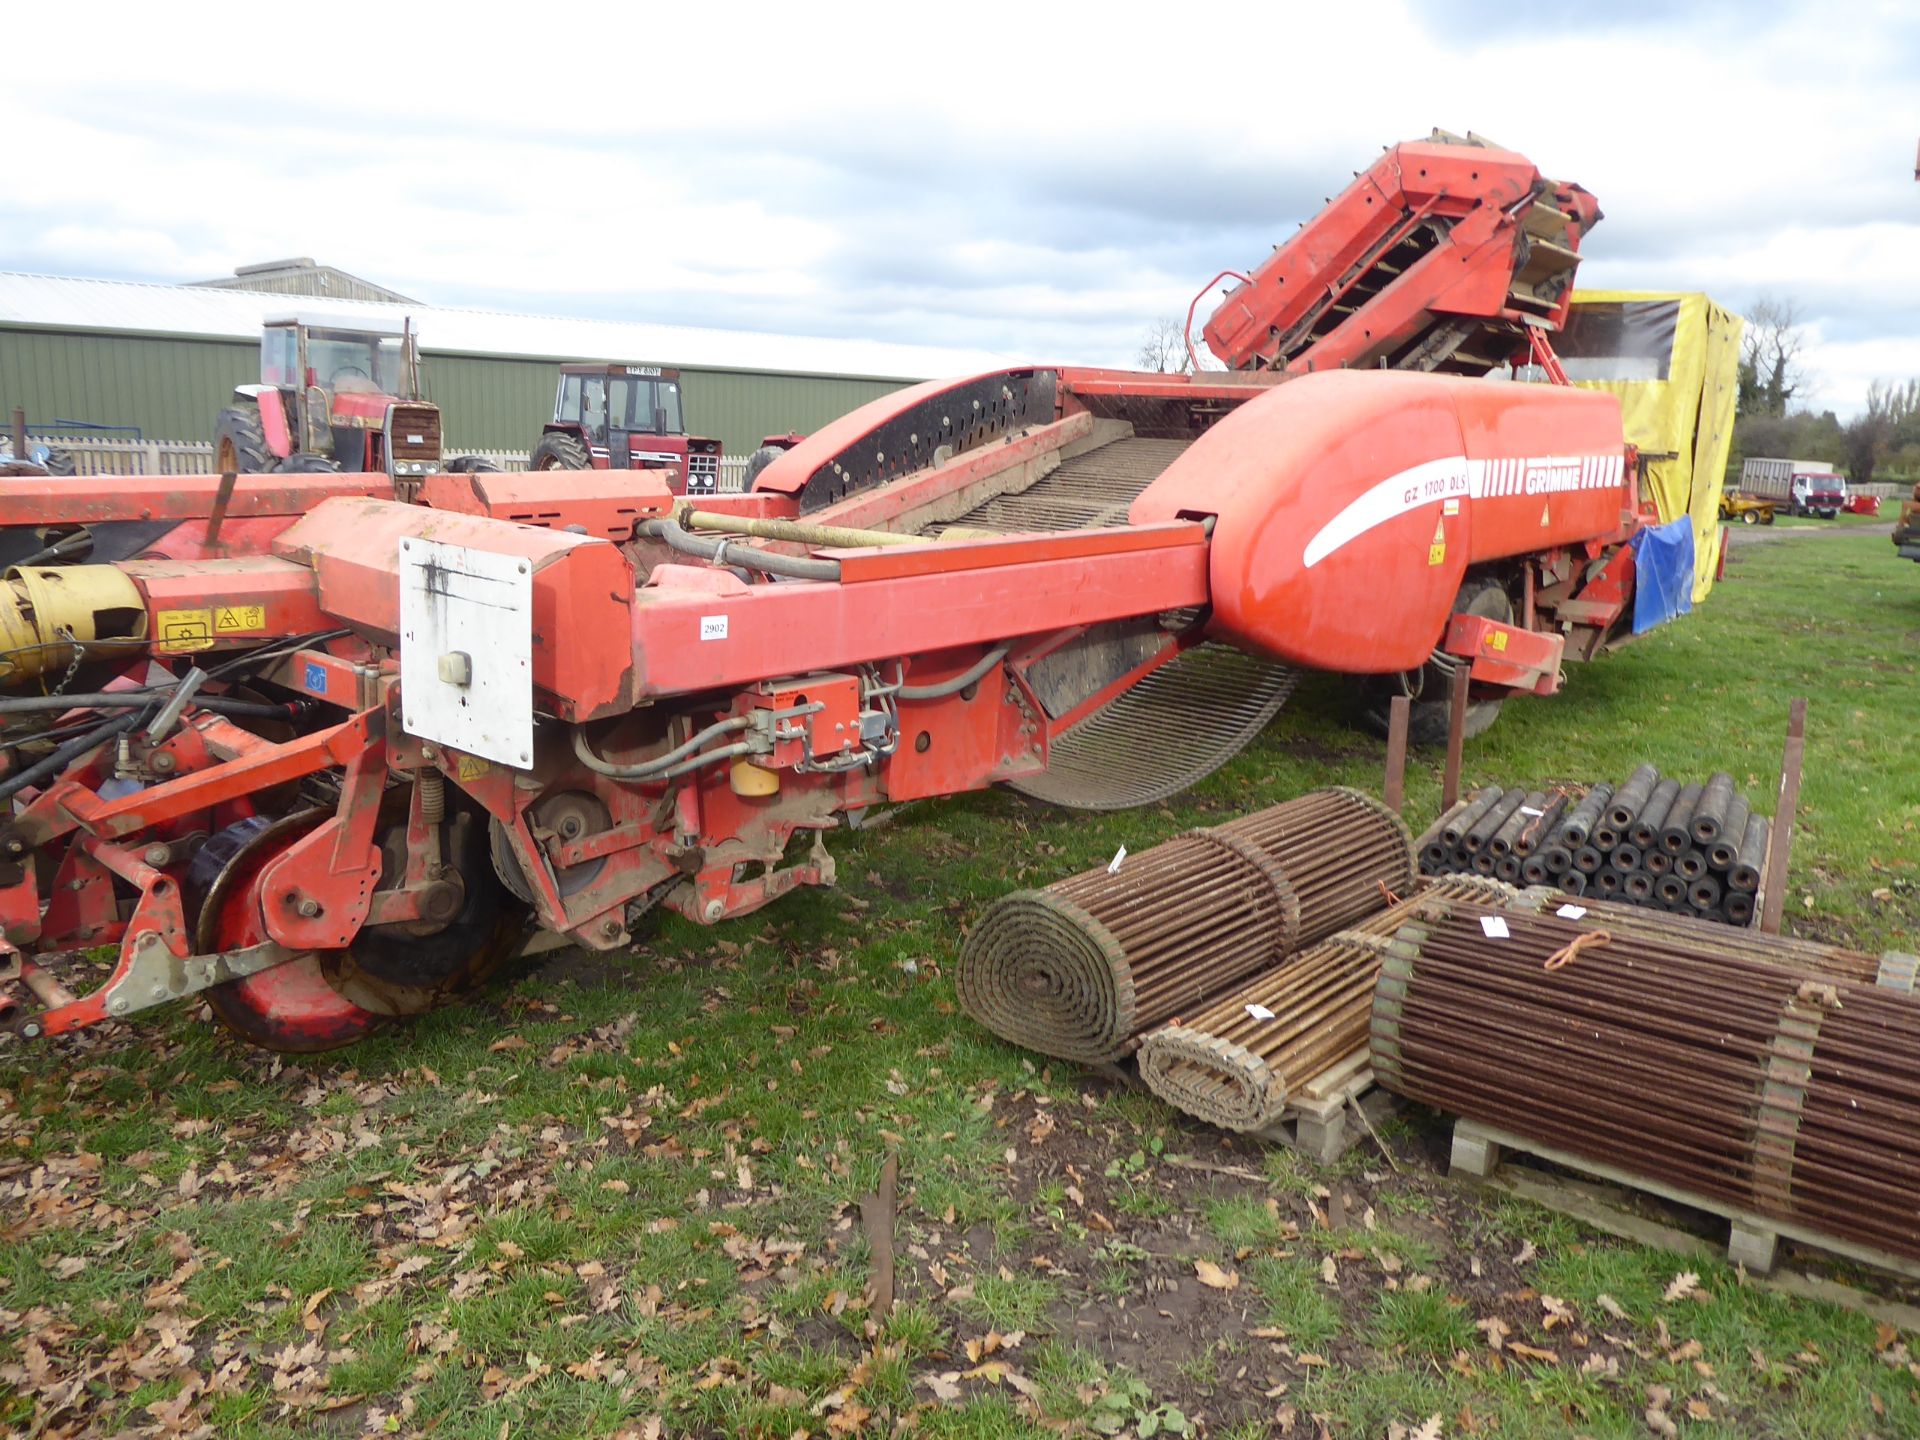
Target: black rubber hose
<point>137,700</point>
<point>59,760</point>
<point>737,552</point>
<point>953,686</point>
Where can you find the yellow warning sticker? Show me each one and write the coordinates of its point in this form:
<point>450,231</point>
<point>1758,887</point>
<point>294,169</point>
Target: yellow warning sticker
<point>1437,552</point>
<point>470,767</point>
<point>182,630</point>
<point>1498,640</point>
<point>240,617</point>
<point>1543,512</point>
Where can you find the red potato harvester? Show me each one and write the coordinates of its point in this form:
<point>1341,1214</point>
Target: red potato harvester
<point>342,745</point>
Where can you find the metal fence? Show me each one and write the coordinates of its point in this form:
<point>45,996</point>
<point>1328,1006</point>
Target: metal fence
<point>94,456</point>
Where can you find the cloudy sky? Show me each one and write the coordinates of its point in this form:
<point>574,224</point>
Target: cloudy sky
<point>1036,180</point>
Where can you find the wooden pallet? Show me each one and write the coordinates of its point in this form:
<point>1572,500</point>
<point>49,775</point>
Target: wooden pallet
<point>1324,1119</point>
<point>1330,1113</point>
<point>1752,1240</point>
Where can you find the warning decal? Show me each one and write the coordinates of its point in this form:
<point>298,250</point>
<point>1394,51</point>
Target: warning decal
<point>1437,552</point>
<point>182,630</point>
<point>240,617</point>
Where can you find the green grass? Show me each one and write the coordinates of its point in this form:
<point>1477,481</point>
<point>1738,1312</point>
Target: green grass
<point>612,1189</point>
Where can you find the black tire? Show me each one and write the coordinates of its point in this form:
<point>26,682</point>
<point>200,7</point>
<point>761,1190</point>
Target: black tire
<point>559,450</point>
<point>759,460</point>
<point>1749,517</point>
<point>1427,718</point>
<point>302,464</point>
<point>471,465</point>
<point>61,464</point>
<point>1767,519</point>
<point>240,442</point>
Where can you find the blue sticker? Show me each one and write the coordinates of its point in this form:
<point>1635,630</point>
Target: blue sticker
<point>316,677</point>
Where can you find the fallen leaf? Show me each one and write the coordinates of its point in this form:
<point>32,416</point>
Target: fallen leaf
<point>1683,1285</point>
<point>1214,1277</point>
<point>1532,1352</point>
<point>1495,1329</point>
<point>1329,1272</point>
<point>1612,1306</point>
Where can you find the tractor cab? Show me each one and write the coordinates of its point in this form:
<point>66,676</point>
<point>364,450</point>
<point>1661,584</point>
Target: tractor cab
<point>625,417</point>
<point>332,396</point>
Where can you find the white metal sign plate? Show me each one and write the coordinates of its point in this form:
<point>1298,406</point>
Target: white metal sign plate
<point>466,649</point>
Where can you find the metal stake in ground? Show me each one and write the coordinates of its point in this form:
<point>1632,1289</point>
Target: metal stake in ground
<point>1773,887</point>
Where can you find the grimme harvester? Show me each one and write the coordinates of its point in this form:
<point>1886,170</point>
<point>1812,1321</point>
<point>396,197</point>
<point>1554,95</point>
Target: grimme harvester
<point>322,751</point>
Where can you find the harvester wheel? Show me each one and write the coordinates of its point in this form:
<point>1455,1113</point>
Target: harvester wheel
<point>558,450</point>
<point>291,1007</point>
<point>759,460</point>
<point>471,465</point>
<point>1427,721</point>
<point>240,442</point>
<point>411,969</point>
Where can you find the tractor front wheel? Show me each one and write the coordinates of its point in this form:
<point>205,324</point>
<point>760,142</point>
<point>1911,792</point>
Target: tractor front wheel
<point>558,450</point>
<point>471,465</point>
<point>303,464</point>
<point>240,443</point>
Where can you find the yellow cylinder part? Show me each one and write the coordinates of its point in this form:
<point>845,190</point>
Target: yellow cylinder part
<point>752,780</point>
<point>46,609</point>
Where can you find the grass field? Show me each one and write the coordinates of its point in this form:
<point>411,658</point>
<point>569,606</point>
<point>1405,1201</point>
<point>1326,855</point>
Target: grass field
<point>620,1195</point>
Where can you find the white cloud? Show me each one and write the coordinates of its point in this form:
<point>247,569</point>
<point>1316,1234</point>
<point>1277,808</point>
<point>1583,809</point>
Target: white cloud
<point>1037,179</point>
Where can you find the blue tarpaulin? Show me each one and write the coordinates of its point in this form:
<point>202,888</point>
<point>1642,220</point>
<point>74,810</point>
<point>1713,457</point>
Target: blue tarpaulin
<point>1663,573</point>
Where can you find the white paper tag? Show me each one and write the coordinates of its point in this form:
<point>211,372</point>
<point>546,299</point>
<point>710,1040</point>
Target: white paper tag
<point>1259,1012</point>
<point>1571,912</point>
<point>1495,927</point>
<point>1113,865</point>
<point>713,627</point>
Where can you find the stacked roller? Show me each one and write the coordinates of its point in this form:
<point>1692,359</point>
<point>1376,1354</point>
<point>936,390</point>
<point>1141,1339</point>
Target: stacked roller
<point>1653,841</point>
<point>1083,968</point>
<point>1691,933</point>
<point>1753,1084</point>
<point>1237,1062</point>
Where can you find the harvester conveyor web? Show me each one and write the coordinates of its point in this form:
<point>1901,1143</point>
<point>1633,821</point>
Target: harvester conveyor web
<point>1091,489</point>
<point>1186,719</point>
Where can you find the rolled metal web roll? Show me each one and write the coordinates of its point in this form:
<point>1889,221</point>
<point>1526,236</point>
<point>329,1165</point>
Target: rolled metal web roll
<point>1080,969</point>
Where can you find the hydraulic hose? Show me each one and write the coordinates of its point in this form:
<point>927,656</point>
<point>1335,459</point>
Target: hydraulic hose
<point>940,689</point>
<point>138,699</point>
<point>732,552</point>
<point>53,764</point>
<point>654,768</point>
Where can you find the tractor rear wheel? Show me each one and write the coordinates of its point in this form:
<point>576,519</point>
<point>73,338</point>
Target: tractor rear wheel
<point>240,442</point>
<point>1428,719</point>
<point>558,450</point>
<point>759,460</point>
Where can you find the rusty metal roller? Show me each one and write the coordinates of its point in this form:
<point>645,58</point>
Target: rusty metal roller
<point>1784,1094</point>
<point>1235,1063</point>
<point>1081,968</point>
<point>1680,936</point>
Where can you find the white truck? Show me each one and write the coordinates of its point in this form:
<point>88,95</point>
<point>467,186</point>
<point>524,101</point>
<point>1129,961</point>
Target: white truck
<point>1804,487</point>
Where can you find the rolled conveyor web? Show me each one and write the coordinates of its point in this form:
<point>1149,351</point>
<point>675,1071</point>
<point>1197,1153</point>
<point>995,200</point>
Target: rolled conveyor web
<point>1183,721</point>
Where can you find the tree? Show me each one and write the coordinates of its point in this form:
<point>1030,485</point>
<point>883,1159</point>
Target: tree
<point>1165,348</point>
<point>1892,415</point>
<point>1771,369</point>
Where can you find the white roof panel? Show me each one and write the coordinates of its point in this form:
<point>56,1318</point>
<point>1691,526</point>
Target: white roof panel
<point>62,302</point>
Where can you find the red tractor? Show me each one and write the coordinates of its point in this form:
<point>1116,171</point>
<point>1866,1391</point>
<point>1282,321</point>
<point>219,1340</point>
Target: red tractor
<point>625,417</point>
<point>331,397</point>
